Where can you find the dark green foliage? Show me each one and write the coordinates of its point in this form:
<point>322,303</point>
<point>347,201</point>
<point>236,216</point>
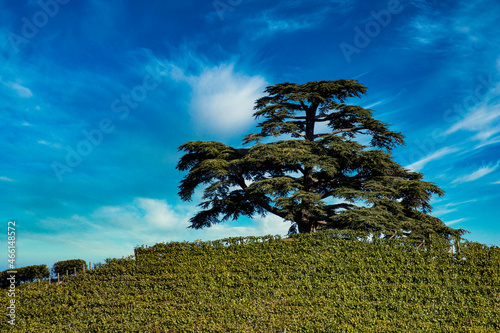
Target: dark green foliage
<point>68,266</point>
<point>32,273</point>
<point>3,279</point>
<point>24,274</point>
<point>314,179</point>
<point>330,281</point>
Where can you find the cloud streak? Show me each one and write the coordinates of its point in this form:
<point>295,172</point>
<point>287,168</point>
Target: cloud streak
<point>484,119</point>
<point>455,221</point>
<point>20,90</point>
<point>419,165</point>
<point>479,173</point>
<point>6,179</point>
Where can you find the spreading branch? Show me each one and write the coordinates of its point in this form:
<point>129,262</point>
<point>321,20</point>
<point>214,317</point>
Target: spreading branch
<point>343,130</point>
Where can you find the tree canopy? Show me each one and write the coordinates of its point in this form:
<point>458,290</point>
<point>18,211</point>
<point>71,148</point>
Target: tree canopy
<point>319,174</point>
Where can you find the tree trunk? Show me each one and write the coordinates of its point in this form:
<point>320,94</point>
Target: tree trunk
<point>307,227</point>
<point>304,223</point>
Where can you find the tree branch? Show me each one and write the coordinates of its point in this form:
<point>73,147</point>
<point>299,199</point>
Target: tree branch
<point>298,133</point>
<point>241,182</point>
<point>339,131</point>
<point>305,107</point>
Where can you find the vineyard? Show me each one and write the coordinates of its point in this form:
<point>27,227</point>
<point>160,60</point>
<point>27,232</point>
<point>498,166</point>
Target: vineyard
<point>327,282</point>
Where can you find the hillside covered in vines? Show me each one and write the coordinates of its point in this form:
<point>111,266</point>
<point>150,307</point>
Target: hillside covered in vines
<point>326,282</point>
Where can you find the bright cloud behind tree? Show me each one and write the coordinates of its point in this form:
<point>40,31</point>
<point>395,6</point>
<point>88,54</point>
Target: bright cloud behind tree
<point>96,97</point>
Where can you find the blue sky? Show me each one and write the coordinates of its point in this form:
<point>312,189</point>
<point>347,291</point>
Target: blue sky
<point>96,97</point>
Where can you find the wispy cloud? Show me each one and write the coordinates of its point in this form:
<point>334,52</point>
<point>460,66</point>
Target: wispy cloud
<point>456,221</point>
<point>483,119</point>
<point>458,26</point>
<point>418,165</point>
<point>451,207</point>
<point>50,144</point>
<point>20,90</point>
<point>363,74</point>
<point>423,4</point>
<point>385,100</point>
<point>277,25</point>
<point>292,16</point>
<point>425,30</point>
<point>479,173</point>
<point>6,179</point>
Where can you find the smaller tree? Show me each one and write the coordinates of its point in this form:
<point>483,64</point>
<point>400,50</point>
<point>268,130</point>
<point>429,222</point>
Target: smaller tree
<point>24,274</point>
<point>69,266</point>
<point>34,272</point>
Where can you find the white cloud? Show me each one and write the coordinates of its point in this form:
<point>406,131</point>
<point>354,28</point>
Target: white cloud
<point>286,25</point>
<point>385,100</point>
<point>417,166</point>
<point>274,25</point>
<point>445,209</point>
<point>158,214</point>
<point>422,4</point>
<point>6,179</point>
<point>458,29</point>
<point>160,217</point>
<point>487,137</point>
<point>482,119</point>
<point>481,172</point>
<point>456,221</point>
<point>19,89</point>
<point>49,144</point>
<point>274,20</point>
<point>222,99</point>
<point>116,230</point>
<point>425,30</point>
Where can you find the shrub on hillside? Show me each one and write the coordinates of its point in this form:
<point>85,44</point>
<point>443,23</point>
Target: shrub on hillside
<point>62,267</point>
<point>32,273</point>
<point>3,279</point>
<point>24,274</point>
